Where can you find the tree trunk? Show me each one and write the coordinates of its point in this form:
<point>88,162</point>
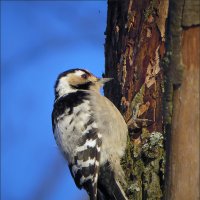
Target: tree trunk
<point>134,49</point>
<point>147,70</point>
<point>183,170</point>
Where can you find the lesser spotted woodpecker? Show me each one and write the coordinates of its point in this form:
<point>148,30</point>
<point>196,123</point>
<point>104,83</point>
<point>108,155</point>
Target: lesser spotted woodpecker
<point>91,133</point>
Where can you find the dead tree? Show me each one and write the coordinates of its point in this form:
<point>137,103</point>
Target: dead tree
<point>138,51</point>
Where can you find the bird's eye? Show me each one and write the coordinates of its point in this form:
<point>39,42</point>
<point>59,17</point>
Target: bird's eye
<point>85,76</point>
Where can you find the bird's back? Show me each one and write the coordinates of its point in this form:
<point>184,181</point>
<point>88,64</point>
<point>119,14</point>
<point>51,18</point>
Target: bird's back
<point>111,124</point>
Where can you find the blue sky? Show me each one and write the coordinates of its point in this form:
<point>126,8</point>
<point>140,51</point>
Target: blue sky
<point>40,39</point>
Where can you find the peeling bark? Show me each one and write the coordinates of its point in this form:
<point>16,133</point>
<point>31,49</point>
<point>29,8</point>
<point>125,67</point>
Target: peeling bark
<point>135,38</point>
<point>156,88</point>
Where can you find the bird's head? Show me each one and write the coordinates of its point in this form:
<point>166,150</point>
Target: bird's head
<point>77,79</point>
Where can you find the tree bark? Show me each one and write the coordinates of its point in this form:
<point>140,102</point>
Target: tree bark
<point>184,43</point>
<point>184,151</point>
<point>134,49</point>
<point>154,75</point>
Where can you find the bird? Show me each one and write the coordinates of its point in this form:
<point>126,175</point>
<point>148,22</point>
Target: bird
<point>91,134</point>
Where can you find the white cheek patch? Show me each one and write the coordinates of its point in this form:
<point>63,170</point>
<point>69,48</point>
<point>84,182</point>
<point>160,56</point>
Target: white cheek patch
<point>64,87</point>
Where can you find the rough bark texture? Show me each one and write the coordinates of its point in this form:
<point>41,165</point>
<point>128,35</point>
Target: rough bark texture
<point>184,45</point>
<point>133,50</point>
<point>184,154</point>
<point>151,81</point>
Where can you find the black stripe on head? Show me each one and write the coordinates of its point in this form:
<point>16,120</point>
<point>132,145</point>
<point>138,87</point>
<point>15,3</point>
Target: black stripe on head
<point>65,73</point>
<point>84,86</point>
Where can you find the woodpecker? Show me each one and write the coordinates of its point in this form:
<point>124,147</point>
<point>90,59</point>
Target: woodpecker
<point>91,133</point>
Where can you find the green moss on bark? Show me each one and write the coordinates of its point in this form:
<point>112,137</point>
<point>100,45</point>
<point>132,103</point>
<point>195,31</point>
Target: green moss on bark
<point>144,165</point>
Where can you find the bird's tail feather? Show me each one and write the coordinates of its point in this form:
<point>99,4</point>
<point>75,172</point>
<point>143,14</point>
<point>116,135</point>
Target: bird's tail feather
<point>108,185</point>
<point>117,192</point>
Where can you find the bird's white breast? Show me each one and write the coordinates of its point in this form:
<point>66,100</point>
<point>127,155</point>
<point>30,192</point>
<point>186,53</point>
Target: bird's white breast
<point>70,128</point>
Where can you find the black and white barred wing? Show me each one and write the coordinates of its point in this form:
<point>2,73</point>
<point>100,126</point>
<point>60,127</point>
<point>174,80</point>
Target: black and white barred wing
<point>77,135</point>
<point>111,125</point>
<point>85,168</point>
<point>114,136</point>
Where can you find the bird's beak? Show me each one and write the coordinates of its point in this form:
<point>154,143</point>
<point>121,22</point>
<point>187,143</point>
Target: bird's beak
<point>104,80</point>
